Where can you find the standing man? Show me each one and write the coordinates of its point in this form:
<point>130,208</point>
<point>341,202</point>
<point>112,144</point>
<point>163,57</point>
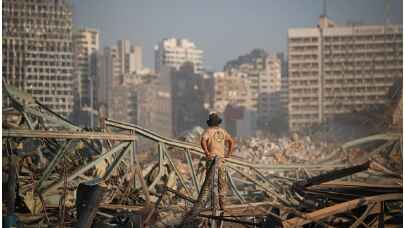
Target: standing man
<point>213,142</point>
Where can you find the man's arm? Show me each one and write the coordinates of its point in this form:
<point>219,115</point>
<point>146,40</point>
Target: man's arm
<point>205,147</point>
<point>231,144</point>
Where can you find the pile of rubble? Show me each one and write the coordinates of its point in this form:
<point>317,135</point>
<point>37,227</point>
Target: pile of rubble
<point>304,151</point>
<point>283,150</point>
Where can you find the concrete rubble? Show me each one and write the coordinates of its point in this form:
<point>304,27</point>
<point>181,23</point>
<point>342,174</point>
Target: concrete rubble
<point>305,151</point>
<point>282,150</point>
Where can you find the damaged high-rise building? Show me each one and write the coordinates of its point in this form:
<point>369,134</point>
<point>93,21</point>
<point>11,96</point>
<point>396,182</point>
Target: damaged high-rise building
<point>86,43</point>
<point>335,69</point>
<point>263,75</point>
<point>116,64</point>
<point>37,50</point>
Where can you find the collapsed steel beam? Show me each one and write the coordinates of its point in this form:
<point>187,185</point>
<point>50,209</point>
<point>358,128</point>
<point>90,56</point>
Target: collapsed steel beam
<point>179,194</point>
<point>81,170</point>
<point>373,138</point>
<point>197,150</point>
<point>193,173</point>
<point>332,175</point>
<point>53,163</point>
<point>25,103</point>
<point>66,135</point>
<point>110,169</point>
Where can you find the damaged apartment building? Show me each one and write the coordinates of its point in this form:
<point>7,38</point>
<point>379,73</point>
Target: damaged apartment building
<point>120,69</point>
<point>37,51</point>
<point>262,75</point>
<point>337,69</point>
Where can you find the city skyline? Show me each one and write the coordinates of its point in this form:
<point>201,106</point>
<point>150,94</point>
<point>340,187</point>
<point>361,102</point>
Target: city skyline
<point>223,31</point>
<point>161,114</point>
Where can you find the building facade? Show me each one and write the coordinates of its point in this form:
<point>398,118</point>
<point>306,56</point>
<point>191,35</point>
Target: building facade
<point>340,69</point>
<point>37,51</point>
<point>263,74</point>
<point>253,65</point>
<point>109,71</point>
<point>155,104</point>
<point>175,52</point>
<point>117,63</point>
<point>129,57</point>
<point>124,104</point>
<point>189,104</point>
<point>230,87</point>
<point>174,101</point>
<point>284,88</point>
<point>269,98</point>
<point>284,94</point>
<point>86,44</point>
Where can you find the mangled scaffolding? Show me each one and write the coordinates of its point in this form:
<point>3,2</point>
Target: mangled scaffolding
<point>60,174</point>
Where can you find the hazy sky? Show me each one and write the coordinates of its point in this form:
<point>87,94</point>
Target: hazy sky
<point>223,29</point>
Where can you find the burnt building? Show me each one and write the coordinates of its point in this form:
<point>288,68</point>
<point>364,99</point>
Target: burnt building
<point>37,51</point>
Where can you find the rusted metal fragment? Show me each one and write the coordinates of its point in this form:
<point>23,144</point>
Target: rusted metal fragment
<point>179,194</point>
<point>11,185</point>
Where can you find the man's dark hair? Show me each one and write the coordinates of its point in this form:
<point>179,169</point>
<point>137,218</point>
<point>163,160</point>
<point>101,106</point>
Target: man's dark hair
<point>214,120</point>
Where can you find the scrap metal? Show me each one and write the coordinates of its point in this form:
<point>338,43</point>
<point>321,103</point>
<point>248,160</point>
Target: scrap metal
<point>46,158</point>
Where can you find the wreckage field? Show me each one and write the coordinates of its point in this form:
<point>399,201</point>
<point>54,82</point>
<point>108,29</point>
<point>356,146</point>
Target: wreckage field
<point>56,173</point>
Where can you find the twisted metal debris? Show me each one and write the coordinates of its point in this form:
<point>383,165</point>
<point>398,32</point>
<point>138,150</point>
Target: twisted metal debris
<point>46,158</point>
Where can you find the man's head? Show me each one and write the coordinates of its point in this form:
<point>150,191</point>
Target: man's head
<point>214,120</point>
<point>295,137</point>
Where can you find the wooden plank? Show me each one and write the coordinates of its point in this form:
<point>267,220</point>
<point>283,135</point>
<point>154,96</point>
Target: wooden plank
<point>338,208</point>
<point>243,210</point>
<point>363,216</point>
<point>357,184</point>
